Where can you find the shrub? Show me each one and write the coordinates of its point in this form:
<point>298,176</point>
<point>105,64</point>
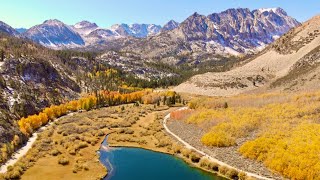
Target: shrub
<point>55,152</point>
<point>232,173</point>
<point>163,143</point>
<point>218,138</point>
<point>72,151</point>
<point>85,167</point>
<point>194,157</point>
<point>225,105</point>
<point>177,148</point>
<point>19,169</point>
<point>121,131</point>
<point>13,175</point>
<point>129,131</point>
<point>223,170</point>
<point>186,152</point>
<point>76,168</point>
<point>181,114</point>
<point>63,161</point>
<point>100,133</point>
<point>242,175</point>
<point>205,163</point>
<point>10,168</point>
<point>22,166</point>
<point>143,142</point>
<point>82,145</point>
<point>214,166</point>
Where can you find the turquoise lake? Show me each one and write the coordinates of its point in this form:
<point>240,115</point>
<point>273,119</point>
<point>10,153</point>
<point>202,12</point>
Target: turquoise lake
<point>140,164</point>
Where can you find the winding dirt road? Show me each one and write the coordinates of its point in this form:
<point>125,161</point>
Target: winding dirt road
<point>23,151</point>
<point>187,145</point>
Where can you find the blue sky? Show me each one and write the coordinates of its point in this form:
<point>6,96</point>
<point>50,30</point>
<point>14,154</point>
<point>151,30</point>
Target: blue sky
<point>26,13</point>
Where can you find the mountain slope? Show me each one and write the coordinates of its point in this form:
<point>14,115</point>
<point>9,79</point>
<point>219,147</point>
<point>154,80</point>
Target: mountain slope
<point>54,34</point>
<point>233,31</point>
<point>100,36</point>
<point>5,28</point>
<point>31,78</point>
<point>170,26</point>
<point>273,68</point>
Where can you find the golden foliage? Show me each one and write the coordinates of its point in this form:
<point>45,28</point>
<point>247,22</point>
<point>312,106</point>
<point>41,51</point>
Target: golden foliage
<point>285,129</point>
<point>33,122</point>
<point>151,98</point>
<point>181,114</point>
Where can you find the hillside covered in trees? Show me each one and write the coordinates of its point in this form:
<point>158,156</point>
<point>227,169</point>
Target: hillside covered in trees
<point>280,130</point>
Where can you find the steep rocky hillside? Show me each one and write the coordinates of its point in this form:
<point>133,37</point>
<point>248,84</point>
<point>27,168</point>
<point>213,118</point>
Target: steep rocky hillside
<point>234,31</point>
<point>5,28</point>
<point>31,78</point>
<point>289,63</point>
<point>304,74</point>
<point>170,26</point>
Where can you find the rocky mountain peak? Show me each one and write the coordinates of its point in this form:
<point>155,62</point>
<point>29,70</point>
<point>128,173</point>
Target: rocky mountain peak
<point>85,27</point>
<point>276,10</point>
<point>55,34</point>
<point>53,22</point>
<point>170,26</point>
<point>85,24</point>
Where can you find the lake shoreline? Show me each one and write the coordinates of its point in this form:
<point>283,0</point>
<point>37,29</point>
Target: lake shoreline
<point>161,150</point>
<point>186,160</point>
<point>155,150</point>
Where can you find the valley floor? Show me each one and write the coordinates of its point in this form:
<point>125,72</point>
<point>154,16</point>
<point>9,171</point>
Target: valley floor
<point>68,148</point>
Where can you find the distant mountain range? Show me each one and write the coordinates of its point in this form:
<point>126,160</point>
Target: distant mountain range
<point>21,30</point>
<point>291,63</point>
<point>233,31</point>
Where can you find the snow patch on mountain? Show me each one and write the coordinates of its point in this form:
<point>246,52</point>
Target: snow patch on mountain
<point>136,30</point>
<point>262,10</point>
<point>55,34</point>
<point>85,27</point>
